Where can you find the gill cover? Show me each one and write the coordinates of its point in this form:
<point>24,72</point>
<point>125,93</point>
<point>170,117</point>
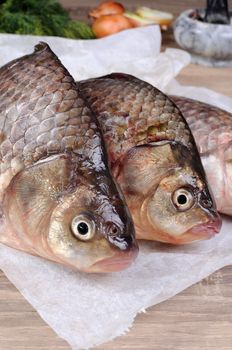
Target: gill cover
<point>34,193</point>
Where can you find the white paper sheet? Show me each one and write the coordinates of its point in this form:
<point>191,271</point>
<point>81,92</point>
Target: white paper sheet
<point>88,310</point>
<point>89,58</point>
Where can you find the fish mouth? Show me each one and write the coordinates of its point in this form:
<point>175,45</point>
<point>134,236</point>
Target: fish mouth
<point>121,260</point>
<point>199,232</point>
<point>207,230</point>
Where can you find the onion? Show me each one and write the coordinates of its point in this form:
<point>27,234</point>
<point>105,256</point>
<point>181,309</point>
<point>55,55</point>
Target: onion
<point>138,21</point>
<point>107,8</point>
<point>159,17</point>
<point>106,25</point>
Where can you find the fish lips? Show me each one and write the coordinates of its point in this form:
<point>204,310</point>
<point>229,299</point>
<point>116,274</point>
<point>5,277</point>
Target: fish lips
<point>125,252</point>
<point>208,229</point>
<point>119,261</point>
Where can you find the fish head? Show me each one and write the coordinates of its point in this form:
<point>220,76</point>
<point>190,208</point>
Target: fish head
<point>168,195</point>
<point>70,216</point>
<point>182,210</point>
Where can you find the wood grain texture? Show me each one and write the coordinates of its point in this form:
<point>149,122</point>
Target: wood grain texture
<point>198,318</point>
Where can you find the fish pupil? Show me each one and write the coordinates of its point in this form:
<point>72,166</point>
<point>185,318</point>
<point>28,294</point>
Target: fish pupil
<point>182,199</point>
<point>82,228</point>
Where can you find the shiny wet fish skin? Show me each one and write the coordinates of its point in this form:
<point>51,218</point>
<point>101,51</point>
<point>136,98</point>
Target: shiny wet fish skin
<point>212,129</point>
<point>57,198</point>
<point>154,159</point>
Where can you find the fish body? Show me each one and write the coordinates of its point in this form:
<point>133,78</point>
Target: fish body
<point>212,130</point>
<point>154,159</point>
<point>57,197</point>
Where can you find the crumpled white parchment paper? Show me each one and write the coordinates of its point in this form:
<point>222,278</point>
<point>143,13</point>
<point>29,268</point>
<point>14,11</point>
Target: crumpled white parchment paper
<point>88,310</point>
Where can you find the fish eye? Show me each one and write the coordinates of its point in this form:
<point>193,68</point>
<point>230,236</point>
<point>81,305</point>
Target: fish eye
<point>183,199</point>
<point>83,228</point>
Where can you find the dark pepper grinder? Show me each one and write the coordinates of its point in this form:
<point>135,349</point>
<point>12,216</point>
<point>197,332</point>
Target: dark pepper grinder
<point>217,12</point>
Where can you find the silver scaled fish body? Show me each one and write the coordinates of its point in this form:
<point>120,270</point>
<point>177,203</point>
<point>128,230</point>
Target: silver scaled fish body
<point>154,159</point>
<point>57,197</point>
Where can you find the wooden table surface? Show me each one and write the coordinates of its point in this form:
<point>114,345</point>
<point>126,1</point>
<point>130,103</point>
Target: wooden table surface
<point>198,318</point>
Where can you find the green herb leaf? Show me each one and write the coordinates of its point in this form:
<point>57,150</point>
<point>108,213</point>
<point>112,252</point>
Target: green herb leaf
<point>44,17</point>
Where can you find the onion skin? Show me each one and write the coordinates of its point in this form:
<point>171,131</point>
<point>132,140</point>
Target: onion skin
<point>107,25</point>
<point>107,8</point>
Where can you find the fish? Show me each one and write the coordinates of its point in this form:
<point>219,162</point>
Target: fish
<point>58,199</point>
<point>212,130</point>
<point>154,159</point>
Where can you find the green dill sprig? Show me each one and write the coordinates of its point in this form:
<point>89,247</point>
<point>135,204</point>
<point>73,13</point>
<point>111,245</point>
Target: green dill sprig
<point>44,17</point>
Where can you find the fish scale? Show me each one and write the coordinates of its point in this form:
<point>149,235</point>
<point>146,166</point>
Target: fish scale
<point>142,108</point>
<point>31,113</point>
<point>38,114</point>
<point>209,124</point>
